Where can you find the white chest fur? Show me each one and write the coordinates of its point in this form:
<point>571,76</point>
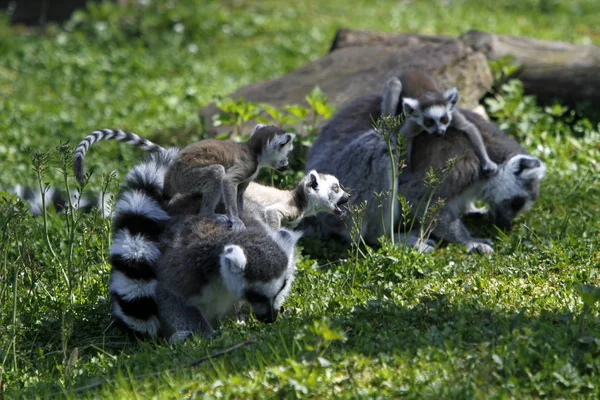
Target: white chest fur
<point>214,301</point>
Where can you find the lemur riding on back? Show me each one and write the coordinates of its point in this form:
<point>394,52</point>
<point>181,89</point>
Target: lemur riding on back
<point>429,109</point>
<point>218,170</point>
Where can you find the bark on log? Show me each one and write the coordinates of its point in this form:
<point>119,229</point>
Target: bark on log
<point>550,70</point>
<point>352,72</point>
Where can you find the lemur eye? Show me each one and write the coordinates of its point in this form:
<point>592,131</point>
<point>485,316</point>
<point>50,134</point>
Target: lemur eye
<point>428,122</point>
<point>444,120</point>
<point>336,188</point>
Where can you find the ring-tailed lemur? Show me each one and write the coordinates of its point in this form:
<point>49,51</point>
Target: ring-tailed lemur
<point>278,208</point>
<point>219,170</point>
<point>144,298</point>
<point>349,148</point>
<point>58,199</point>
<point>428,109</point>
<point>206,270</point>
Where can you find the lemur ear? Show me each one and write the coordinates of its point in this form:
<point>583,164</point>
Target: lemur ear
<point>257,128</point>
<point>313,180</point>
<point>527,167</point>
<point>452,97</point>
<point>282,140</point>
<point>409,106</point>
<point>289,137</point>
<point>234,259</point>
<point>286,239</point>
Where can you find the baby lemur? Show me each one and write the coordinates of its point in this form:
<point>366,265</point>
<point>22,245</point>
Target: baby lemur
<point>427,108</point>
<point>215,169</point>
<point>222,170</point>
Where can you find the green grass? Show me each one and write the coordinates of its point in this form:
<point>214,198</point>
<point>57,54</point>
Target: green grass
<point>391,324</point>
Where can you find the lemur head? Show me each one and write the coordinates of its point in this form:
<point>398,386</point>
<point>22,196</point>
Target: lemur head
<point>273,145</point>
<point>514,188</point>
<point>432,111</point>
<point>323,193</point>
<point>262,274</point>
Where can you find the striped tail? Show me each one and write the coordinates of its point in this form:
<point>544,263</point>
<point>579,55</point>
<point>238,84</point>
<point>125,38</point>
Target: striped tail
<point>139,219</point>
<point>107,134</point>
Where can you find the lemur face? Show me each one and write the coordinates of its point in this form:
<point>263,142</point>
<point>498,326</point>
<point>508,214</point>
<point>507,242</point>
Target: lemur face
<point>276,152</point>
<point>266,298</point>
<point>262,275</point>
<point>324,193</point>
<point>513,189</point>
<point>434,117</point>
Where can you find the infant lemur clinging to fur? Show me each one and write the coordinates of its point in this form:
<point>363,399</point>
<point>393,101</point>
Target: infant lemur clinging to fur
<point>428,109</point>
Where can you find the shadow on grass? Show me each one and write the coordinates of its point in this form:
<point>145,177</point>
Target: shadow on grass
<point>374,329</point>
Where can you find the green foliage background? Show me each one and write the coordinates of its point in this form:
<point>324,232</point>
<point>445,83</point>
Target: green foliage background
<point>394,323</point>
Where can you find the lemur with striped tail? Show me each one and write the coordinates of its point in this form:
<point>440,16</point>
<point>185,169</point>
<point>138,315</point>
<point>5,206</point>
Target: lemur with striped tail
<point>219,170</point>
<point>222,268</point>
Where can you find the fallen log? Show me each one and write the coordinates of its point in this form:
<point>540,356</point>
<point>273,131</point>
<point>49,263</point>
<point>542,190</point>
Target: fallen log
<point>549,70</point>
<point>355,71</point>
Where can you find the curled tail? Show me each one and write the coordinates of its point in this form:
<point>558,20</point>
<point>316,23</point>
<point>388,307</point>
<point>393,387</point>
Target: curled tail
<point>139,219</point>
<point>107,134</point>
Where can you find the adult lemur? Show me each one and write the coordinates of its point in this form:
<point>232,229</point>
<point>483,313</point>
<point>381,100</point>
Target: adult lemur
<point>349,148</point>
<point>172,276</point>
<point>218,170</point>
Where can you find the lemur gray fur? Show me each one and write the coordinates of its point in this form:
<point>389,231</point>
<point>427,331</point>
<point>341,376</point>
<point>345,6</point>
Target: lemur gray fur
<point>147,242</point>
<point>349,148</point>
<point>278,208</point>
<point>428,109</point>
<point>219,170</point>
<point>315,193</point>
<point>206,270</point>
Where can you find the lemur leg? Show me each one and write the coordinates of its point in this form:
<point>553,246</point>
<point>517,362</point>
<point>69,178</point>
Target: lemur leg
<point>212,177</point>
<point>230,199</point>
<point>241,188</point>
<point>273,218</point>
<point>450,228</point>
<point>180,320</point>
<point>391,96</point>
<point>461,123</point>
<point>412,239</point>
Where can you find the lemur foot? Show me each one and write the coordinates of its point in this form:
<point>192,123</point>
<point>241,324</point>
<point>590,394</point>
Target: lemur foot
<point>237,225</point>
<point>179,337</point>
<point>425,246</point>
<point>489,168</point>
<point>221,219</point>
<point>480,246</point>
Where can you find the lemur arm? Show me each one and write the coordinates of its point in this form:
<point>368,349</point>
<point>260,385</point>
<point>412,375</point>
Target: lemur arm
<point>474,135</point>
<point>451,229</point>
